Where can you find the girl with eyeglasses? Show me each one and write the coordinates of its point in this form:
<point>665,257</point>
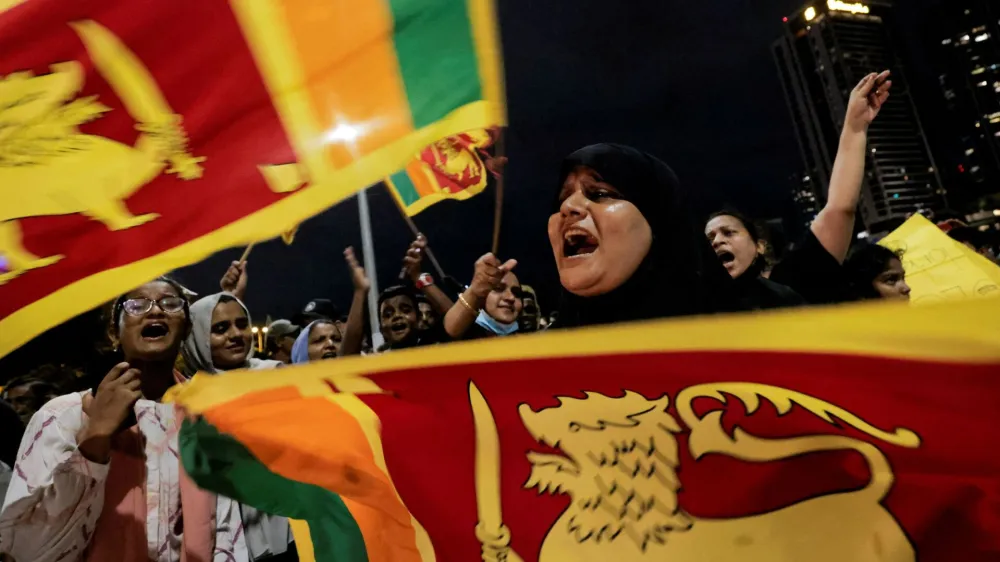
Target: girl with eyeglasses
<point>98,476</point>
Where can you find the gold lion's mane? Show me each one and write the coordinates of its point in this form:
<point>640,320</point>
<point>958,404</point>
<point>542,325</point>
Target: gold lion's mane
<point>627,483</point>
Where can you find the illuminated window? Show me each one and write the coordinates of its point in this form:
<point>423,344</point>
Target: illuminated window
<point>982,84</point>
<point>854,8</point>
<point>978,70</point>
<point>946,42</point>
<point>983,37</point>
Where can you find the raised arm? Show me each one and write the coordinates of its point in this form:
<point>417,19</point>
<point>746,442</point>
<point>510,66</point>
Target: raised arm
<point>834,225</point>
<point>412,264</point>
<point>235,279</point>
<point>354,330</point>
<point>489,273</point>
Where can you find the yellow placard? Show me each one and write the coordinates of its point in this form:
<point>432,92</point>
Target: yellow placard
<point>939,268</point>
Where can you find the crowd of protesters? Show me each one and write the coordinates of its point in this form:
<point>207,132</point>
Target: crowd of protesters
<point>96,474</point>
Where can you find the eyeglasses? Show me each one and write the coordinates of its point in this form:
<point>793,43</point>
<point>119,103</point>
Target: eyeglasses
<point>142,305</point>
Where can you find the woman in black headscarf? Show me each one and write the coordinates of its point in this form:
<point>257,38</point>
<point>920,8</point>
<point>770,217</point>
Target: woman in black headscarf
<point>625,245</point>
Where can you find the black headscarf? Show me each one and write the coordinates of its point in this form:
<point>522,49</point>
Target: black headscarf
<point>680,275</point>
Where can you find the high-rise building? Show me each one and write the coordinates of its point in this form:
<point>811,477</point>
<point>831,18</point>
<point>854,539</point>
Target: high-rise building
<point>827,48</point>
<point>969,75</point>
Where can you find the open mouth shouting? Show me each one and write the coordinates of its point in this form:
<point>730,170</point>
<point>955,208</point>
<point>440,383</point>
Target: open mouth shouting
<point>399,328</point>
<point>155,331</point>
<point>331,354</point>
<point>727,258</point>
<point>579,243</point>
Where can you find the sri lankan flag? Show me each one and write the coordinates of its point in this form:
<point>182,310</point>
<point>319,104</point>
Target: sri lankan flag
<point>852,434</point>
<point>455,167</point>
<point>137,138</point>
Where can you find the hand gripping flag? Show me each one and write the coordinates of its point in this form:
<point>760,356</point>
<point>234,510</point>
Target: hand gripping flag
<point>139,138</point>
<point>861,434</point>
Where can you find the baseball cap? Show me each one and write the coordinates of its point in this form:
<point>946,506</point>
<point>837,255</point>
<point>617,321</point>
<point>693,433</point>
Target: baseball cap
<point>316,309</point>
<point>282,328</point>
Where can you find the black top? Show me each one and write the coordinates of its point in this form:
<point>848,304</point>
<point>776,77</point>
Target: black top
<point>812,272</point>
<point>758,293</point>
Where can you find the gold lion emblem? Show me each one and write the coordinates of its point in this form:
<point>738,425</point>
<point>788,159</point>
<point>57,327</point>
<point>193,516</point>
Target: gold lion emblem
<point>620,469</point>
<point>48,167</point>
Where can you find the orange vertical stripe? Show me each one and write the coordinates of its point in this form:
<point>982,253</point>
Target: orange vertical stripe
<point>417,170</point>
<point>349,60</point>
<point>315,441</point>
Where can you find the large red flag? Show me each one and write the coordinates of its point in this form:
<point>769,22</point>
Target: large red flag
<point>859,434</point>
<point>139,137</point>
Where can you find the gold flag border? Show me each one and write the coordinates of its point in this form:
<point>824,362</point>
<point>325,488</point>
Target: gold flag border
<point>965,332</point>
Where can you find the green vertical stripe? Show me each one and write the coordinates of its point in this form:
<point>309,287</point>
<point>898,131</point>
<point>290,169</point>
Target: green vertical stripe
<point>220,464</point>
<point>437,56</point>
<point>403,185</point>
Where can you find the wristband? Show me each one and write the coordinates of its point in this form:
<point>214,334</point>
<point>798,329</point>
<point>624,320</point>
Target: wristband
<point>425,280</point>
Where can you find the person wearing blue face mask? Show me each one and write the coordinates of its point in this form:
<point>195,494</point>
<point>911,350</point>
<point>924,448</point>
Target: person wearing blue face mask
<point>490,306</point>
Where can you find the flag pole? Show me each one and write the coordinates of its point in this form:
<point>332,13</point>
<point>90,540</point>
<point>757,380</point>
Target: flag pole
<point>246,252</point>
<point>414,230</point>
<point>368,255</point>
<point>368,249</point>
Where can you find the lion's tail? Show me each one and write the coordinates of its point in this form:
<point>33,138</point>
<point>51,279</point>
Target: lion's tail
<point>708,435</point>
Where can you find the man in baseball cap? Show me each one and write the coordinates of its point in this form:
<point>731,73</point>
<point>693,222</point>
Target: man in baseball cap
<point>280,338</point>
<point>316,309</point>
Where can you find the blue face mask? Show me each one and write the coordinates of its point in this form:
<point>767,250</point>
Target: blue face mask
<point>490,324</point>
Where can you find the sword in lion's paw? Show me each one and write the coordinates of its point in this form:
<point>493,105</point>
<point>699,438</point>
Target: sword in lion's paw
<point>141,97</point>
<point>491,532</point>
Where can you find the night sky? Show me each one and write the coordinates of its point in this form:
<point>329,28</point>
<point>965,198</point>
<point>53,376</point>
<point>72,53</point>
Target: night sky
<point>691,82</point>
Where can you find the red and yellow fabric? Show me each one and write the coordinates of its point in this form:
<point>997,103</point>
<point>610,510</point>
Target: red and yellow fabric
<point>828,435</point>
<point>451,168</point>
<point>140,138</point>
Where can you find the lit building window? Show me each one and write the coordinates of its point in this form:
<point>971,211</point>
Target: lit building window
<point>978,70</point>
<point>983,37</point>
<point>946,42</point>
<point>982,84</point>
<point>970,151</point>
